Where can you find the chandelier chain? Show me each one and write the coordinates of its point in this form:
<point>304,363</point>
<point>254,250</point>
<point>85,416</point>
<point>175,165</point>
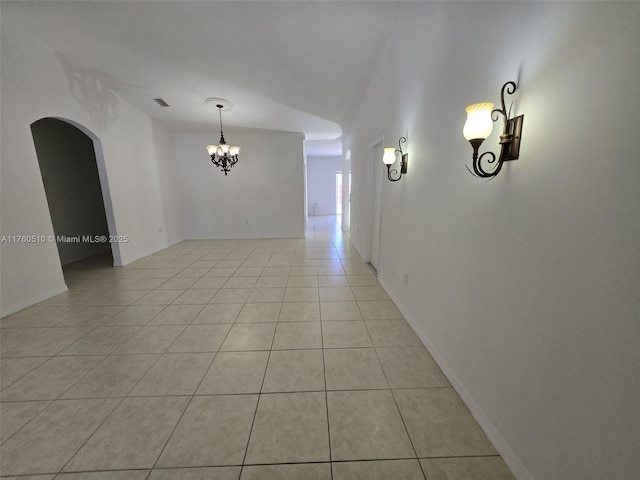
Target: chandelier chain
<point>220,113</point>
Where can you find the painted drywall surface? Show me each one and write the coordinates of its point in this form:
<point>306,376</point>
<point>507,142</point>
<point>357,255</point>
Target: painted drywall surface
<point>525,287</point>
<point>134,165</point>
<point>368,130</point>
<point>261,197</point>
<point>321,184</point>
<point>170,225</point>
<point>37,84</point>
<point>70,175</point>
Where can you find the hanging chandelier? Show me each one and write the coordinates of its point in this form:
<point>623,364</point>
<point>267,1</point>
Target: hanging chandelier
<point>223,156</point>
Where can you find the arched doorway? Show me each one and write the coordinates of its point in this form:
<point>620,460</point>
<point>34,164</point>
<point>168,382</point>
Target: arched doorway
<point>74,178</point>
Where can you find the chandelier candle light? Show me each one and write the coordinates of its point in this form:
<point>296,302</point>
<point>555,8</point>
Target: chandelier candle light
<point>223,155</point>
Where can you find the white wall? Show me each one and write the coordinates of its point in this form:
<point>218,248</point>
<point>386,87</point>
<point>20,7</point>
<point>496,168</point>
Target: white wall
<point>321,184</point>
<point>137,154</point>
<point>170,217</point>
<point>524,288</point>
<point>261,197</point>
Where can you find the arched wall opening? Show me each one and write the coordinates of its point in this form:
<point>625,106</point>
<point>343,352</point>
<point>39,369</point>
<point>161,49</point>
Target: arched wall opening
<point>75,182</point>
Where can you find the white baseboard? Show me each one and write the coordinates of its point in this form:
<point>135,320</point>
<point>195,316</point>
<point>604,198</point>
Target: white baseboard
<point>508,455</point>
<point>274,236</point>
<point>61,289</point>
<point>32,300</point>
<point>364,257</point>
<point>126,261</point>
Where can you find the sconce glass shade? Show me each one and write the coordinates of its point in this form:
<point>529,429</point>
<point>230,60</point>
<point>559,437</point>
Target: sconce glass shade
<point>389,156</point>
<point>479,123</point>
<point>211,149</point>
<point>234,150</point>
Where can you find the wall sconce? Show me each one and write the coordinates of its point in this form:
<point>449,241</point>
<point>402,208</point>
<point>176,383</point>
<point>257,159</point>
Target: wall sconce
<point>389,158</point>
<point>480,118</point>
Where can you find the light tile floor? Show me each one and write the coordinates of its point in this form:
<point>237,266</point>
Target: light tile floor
<point>234,359</point>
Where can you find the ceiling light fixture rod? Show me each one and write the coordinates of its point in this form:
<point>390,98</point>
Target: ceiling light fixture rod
<point>221,134</point>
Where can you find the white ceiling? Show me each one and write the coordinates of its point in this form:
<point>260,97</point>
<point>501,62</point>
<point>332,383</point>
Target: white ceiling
<point>287,65</point>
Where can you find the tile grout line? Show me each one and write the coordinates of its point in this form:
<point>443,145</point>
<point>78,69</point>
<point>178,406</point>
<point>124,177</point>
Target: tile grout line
<point>26,373</point>
<point>194,391</point>
<point>395,402</point>
<point>255,413</point>
<point>30,420</point>
<point>326,393</point>
<point>192,396</point>
<point>92,433</point>
<point>160,354</point>
<point>122,399</point>
<point>264,376</point>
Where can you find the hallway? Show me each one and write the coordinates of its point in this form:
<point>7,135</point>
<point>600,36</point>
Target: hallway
<point>231,359</point>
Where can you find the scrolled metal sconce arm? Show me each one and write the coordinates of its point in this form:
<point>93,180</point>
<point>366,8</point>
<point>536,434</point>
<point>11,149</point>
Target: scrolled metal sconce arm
<point>509,140</point>
<point>393,174</point>
<point>224,162</point>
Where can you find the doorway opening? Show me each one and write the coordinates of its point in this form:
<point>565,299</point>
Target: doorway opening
<point>375,153</point>
<point>341,206</point>
<point>74,179</point>
<point>339,193</point>
<point>346,209</point>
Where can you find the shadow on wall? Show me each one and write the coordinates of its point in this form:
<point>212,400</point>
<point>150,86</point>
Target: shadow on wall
<point>94,90</point>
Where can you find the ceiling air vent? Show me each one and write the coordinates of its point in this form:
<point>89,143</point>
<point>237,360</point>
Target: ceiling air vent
<point>161,102</point>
